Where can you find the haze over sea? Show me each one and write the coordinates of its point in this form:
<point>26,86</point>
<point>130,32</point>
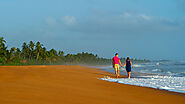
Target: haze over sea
<point>166,75</point>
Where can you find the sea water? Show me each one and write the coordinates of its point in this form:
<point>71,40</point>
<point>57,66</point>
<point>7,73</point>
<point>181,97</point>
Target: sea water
<point>166,75</point>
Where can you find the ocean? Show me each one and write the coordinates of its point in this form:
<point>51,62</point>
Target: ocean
<point>165,75</point>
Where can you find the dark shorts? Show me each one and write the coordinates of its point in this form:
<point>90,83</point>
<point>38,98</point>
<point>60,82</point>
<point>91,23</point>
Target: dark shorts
<point>128,69</point>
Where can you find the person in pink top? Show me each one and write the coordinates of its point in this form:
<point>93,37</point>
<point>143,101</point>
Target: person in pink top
<point>115,62</point>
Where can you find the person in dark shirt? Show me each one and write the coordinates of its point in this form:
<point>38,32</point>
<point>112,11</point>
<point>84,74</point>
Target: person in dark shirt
<point>128,64</point>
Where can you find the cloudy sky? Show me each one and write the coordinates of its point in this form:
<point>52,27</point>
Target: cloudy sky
<point>150,29</point>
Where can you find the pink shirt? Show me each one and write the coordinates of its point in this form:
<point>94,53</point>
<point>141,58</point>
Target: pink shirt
<point>116,60</point>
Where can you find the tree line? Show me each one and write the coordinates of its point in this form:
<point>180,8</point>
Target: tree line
<point>37,54</point>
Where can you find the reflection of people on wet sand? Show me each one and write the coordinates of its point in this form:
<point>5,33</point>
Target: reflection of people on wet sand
<point>128,64</point>
<point>115,62</point>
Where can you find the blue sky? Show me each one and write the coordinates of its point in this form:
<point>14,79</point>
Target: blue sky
<point>150,29</point>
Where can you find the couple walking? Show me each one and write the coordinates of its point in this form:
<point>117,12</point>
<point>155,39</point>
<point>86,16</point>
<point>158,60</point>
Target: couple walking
<point>116,61</point>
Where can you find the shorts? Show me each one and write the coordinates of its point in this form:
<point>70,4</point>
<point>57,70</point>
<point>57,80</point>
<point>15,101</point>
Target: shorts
<point>116,67</point>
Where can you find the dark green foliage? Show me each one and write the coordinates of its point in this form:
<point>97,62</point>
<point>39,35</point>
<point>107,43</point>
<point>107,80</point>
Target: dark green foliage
<point>3,51</point>
<point>37,54</point>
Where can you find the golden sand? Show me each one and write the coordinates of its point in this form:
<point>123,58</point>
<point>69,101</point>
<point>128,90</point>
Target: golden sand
<point>59,84</point>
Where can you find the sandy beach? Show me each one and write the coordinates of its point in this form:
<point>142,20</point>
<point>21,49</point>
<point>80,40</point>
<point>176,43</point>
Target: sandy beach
<point>59,84</point>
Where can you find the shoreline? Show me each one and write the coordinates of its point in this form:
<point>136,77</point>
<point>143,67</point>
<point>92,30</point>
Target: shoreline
<point>138,75</point>
<point>151,80</point>
<point>68,84</point>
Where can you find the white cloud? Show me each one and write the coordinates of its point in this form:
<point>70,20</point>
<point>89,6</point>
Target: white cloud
<point>126,23</point>
<point>126,15</point>
<point>131,17</point>
<point>145,17</point>
<point>51,21</point>
<point>68,20</point>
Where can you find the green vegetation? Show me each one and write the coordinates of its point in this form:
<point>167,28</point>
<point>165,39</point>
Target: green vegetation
<point>37,54</point>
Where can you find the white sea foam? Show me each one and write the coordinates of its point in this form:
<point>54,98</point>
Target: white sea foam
<point>155,70</point>
<point>138,65</point>
<point>157,64</point>
<point>176,84</point>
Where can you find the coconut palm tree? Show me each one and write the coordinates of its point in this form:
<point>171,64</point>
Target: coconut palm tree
<point>11,54</point>
<point>31,46</point>
<point>18,53</point>
<point>25,50</point>
<point>38,49</point>
<point>44,54</point>
<point>2,42</point>
<point>3,51</point>
<point>61,53</point>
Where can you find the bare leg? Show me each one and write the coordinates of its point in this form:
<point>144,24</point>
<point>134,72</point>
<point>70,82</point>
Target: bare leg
<point>129,73</point>
<point>118,72</point>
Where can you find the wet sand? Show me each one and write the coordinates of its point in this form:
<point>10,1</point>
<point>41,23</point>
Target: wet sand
<point>59,84</point>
